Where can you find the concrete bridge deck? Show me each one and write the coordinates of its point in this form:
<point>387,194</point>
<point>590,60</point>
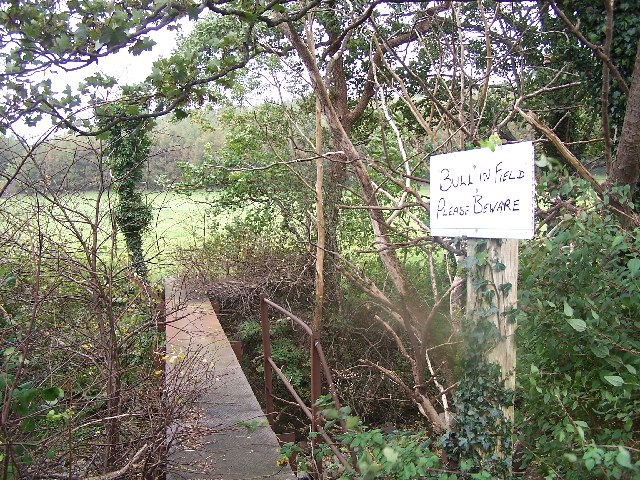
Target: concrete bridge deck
<point>226,436</point>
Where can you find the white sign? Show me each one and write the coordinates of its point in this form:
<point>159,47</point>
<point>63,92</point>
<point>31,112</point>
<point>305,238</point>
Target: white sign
<point>484,194</point>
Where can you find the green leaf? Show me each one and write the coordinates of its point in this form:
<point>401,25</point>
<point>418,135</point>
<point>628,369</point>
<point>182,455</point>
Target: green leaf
<point>249,16</point>
<point>390,454</point>
<point>28,425</point>
<point>5,380</point>
<point>491,142</point>
<point>577,324</point>
<point>330,414</point>
<point>617,241</point>
<point>614,380</point>
<point>63,43</point>
<point>589,463</point>
<point>9,281</point>
<point>52,394</point>
<point>468,263</point>
<point>479,284</point>
<point>542,161</point>
<point>600,350</point>
<point>505,288</point>
<point>634,266</point>
<point>623,458</point>
<point>568,311</point>
<point>352,422</point>
<point>9,351</point>
<point>466,464</point>
<point>82,33</point>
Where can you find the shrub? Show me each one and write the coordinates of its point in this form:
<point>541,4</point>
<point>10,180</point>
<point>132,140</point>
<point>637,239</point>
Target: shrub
<point>579,346</point>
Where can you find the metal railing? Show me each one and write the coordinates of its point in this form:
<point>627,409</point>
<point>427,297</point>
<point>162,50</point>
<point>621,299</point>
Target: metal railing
<point>318,368</point>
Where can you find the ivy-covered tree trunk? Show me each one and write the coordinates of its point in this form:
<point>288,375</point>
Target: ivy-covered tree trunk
<point>127,150</point>
<point>132,216</point>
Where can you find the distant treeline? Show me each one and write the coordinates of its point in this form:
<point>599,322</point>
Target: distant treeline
<point>74,163</point>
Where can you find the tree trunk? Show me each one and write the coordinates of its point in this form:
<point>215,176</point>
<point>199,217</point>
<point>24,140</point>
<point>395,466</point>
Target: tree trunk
<point>625,168</point>
<point>321,234</point>
<point>333,192</point>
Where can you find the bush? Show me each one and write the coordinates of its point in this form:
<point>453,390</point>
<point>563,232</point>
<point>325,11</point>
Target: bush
<point>579,346</point>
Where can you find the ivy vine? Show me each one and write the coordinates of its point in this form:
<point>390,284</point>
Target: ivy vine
<point>128,144</point>
<point>482,435</point>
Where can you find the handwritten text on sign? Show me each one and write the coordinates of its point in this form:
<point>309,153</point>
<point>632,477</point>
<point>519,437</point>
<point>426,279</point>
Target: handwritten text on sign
<point>483,194</point>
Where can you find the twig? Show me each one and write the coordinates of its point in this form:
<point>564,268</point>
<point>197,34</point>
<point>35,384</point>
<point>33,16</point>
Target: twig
<point>569,157</point>
<point>106,476</point>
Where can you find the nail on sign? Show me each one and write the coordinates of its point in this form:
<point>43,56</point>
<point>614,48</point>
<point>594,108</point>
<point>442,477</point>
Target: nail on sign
<point>484,194</point>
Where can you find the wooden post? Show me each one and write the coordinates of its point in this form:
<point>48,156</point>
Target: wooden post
<point>500,271</point>
<point>482,193</point>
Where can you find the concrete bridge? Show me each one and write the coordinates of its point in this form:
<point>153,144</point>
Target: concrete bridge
<point>225,435</point>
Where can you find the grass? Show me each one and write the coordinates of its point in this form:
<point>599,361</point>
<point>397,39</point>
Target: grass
<point>178,222</point>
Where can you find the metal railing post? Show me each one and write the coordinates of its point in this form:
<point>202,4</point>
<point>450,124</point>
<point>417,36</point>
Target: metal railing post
<point>318,366</point>
<point>160,365</point>
<point>266,350</point>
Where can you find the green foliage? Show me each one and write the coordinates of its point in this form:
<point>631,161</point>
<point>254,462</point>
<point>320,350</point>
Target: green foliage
<point>32,405</point>
<point>579,347</point>
<point>398,455</point>
<point>254,140</point>
<point>41,37</point>
<point>69,161</point>
<point>491,143</point>
<point>374,454</point>
<point>481,430</point>
<point>253,425</point>
<point>591,18</point>
<point>289,350</point>
<point>482,435</point>
<point>296,365</point>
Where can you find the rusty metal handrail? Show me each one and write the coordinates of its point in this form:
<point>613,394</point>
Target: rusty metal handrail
<point>318,366</point>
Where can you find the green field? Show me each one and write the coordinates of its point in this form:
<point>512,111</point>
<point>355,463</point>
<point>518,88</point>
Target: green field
<point>178,221</point>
